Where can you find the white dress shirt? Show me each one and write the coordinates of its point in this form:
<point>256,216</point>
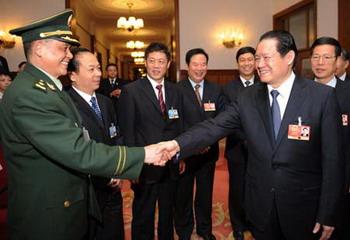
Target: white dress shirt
<point>154,84</point>
<point>332,83</point>
<point>201,84</point>
<point>243,80</point>
<point>342,77</point>
<point>284,93</point>
<point>85,96</point>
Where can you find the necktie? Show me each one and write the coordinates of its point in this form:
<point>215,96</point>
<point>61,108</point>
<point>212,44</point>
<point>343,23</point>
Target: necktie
<point>198,95</point>
<point>95,107</point>
<point>276,113</point>
<point>247,83</point>
<point>161,99</point>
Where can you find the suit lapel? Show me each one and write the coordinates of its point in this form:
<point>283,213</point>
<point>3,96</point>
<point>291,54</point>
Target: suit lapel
<point>206,93</point>
<point>169,96</point>
<point>85,107</point>
<point>104,111</point>
<point>296,98</point>
<point>149,93</point>
<point>263,106</point>
<point>192,95</point>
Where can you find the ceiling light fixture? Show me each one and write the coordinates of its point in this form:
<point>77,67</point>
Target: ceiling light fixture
<point>139,61</point>
<point>131,23</point>
<point>137,54</point>
<point>135,44</point>
<point>6,39</point>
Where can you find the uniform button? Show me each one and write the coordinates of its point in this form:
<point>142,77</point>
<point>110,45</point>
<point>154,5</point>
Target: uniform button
<point>66,204</point>
<point>272,190</point>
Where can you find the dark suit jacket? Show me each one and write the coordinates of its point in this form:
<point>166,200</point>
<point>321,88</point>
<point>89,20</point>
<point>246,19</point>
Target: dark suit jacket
<point>342,90</point>
<point>48,160</point>
<point>98,131</point>
<point>235,143</point>
<point>142,123</point>
<point>294,173</point>
<point>106,87</point>
<point>194,113</point>
<point>4,68</point>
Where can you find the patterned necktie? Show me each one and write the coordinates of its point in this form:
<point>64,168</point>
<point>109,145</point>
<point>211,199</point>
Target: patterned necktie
<point>198,95</point>
<point>276,113</point>
<point>95,107</point>
<point>161,99</point>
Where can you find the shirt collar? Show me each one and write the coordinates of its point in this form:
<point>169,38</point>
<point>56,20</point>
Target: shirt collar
<point>85,96</point>
<point>193,83</point>
<point>342,77</point>
<point>56,81</point>
<point>285,88</point>
<point>331,83</point>
<point>154,82</point>
<point>243,80</point>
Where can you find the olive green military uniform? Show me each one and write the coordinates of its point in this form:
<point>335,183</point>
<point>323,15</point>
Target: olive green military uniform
<point>49,159</point>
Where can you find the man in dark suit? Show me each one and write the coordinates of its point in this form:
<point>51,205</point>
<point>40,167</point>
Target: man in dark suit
<point>293,182</point>
<point>236,149</point>
<point>153,114</point>
<point>101,125</point>
<point>326,52</point>
<point>48,153</point>
<point>342,65</point>
<point>3,65</point>
<point>202,100</point>
<point>112,86</point>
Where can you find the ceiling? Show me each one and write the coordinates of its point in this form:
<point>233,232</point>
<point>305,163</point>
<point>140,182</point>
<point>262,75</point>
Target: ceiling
<point>157,15</point>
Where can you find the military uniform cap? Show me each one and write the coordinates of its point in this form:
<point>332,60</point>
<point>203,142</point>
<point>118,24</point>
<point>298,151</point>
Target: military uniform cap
<point>55,27</point>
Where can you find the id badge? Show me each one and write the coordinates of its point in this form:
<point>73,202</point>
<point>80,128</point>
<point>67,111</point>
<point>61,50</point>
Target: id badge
<point>112,131</point>
<point>86,135</point>
<point>173,114</point>
<point>345,119</point>
<point>299,132</point>
<point>209,107</point>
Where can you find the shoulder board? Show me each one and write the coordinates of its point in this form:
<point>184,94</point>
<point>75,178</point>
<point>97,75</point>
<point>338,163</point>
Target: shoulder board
<point>51,86</point>
<point>40,84</point>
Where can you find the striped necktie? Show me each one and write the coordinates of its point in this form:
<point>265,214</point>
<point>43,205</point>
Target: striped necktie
<point>95,107</point>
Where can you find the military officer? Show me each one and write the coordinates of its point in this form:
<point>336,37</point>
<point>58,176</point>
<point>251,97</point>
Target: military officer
<point>49,154</point>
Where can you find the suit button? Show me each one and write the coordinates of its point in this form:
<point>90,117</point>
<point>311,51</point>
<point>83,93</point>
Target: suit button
<point>66,204</point>
<point>272,190</point>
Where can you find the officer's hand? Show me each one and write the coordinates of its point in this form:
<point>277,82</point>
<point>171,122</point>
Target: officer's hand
<point>326,231</point>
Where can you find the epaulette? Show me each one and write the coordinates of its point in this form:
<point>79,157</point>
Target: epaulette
<point>51,86</point>
<point>44,86</point>
<point>40,84</point>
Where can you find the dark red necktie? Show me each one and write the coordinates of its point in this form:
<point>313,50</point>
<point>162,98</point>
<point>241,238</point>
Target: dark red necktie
<point>161,99</point>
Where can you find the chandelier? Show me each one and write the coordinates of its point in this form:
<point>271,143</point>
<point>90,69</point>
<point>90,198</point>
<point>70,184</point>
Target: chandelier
<point>135,44</point>
<point>137,54</point>
<point>7,40</point>
<point>139,61</point>
<point>131,23</point>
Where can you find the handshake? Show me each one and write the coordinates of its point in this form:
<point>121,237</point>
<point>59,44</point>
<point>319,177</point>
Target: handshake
<point>158,154</point>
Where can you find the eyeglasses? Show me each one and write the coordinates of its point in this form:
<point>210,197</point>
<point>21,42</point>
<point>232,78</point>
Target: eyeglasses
<point>325,58</point>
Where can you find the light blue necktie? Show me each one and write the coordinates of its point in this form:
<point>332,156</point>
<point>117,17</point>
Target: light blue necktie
<point>276,113</point>
<point>96,108</point>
